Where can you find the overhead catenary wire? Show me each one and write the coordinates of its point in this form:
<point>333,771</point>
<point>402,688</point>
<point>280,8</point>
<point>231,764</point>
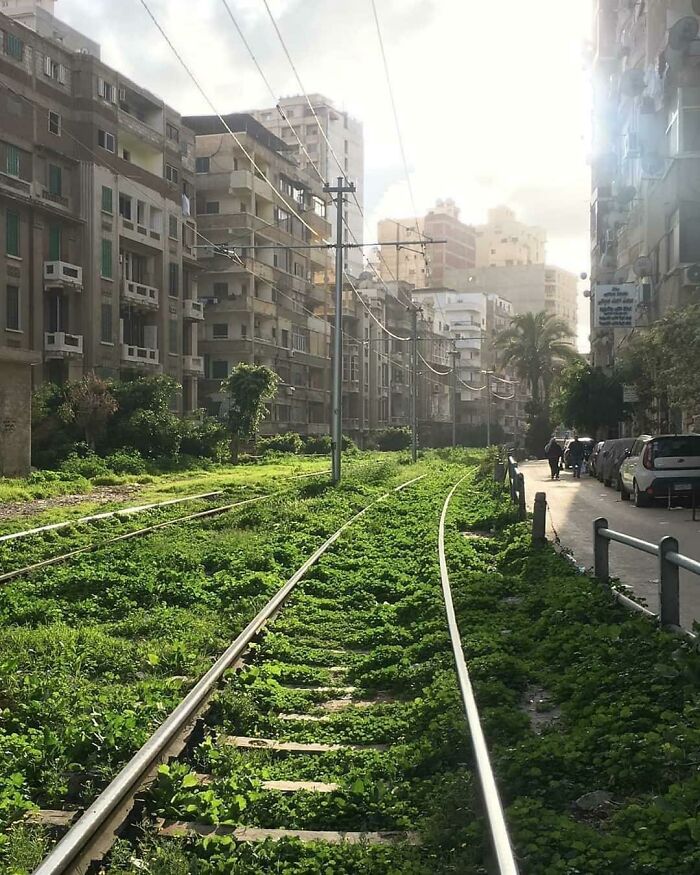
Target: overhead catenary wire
<point>430,367</point>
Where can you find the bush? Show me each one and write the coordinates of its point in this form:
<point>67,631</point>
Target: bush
<point>317,445</point>
<point>88,465</point>
<point>281,443</point>
<point>126,462</point>
<point>203,437</point>
<point>394,439</point>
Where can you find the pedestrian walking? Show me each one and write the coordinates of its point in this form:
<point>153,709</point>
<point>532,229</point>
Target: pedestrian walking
<point>554,453</point>
<point>576,455</point>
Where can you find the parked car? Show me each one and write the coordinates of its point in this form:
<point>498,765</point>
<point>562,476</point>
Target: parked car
<point>661,466</point>
<point>588,444</point>
<point>593,461</point>
<point>610,458</point>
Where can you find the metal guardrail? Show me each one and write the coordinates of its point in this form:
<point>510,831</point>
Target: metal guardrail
<point>670,563</point>
<point>517,487</point>
<point>492,800</point>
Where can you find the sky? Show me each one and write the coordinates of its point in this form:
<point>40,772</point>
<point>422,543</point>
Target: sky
<point>492,95</point>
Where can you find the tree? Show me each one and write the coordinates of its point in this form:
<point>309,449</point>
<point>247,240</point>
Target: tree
<point>247,389</point>
<point>536,345</point>
<point>588,399</point>
<point>89,405</point>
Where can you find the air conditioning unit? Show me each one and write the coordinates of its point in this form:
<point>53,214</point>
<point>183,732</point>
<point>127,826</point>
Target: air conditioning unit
<point>691,275</point>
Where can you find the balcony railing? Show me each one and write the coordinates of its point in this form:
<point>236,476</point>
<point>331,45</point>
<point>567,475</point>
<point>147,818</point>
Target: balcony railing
<point>138,293</point>
<point>64,274</point>
<point>139,355</point>
<point>58,344</point>
<point>193,364</point>
<point>193,310</point>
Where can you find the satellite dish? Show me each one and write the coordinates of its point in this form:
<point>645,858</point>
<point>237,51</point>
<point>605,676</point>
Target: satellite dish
<point>588,294</point>
<point>643,266</point>
<point>684,31</point>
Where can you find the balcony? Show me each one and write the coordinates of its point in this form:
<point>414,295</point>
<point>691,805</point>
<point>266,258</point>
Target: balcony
<point>60,344</point>
<point>264,308</point>
<point>61,274</point>
<point>193,365</point>
<point>193,310</point>
<point>57,200</point>
<point>140,295</point>
<point>139,355</point>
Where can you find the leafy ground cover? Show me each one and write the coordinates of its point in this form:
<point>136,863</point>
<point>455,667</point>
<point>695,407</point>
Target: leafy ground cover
<point>95,653</point>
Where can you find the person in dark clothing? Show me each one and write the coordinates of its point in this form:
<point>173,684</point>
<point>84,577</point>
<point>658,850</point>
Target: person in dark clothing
<point>554,453</point>
<point>576,454</point>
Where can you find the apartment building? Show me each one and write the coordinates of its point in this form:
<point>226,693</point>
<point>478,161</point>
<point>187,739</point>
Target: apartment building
<point>258,288</point>
<point>438,265</point>
<point>337,149</point>
<point>98,271</point>
<point>38,15</point>
<point>504,241</point>
<point>645,210</point>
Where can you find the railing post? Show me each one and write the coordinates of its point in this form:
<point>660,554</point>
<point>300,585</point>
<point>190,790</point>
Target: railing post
<point>669,576</point>
<point>539,519</point>
<point>511,480</point>
<point>601,550</point>
<point>522,507</point>
<point>499,473</point>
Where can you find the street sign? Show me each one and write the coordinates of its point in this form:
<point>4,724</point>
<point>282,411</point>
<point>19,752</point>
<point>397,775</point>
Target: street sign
<point>616,306</point>
<point>629,395</point>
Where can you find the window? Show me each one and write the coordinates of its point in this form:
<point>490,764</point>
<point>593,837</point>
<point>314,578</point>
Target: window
<point>106,266</point>
<point>54,123</point>
<point>107,205</point>
<point>12,234</point>
<point>55,243</point>
<point>173,337</point>
<point>202,165</point>
<point>285,338</point>
<point>172,133</point>
<point>126,155</point>
<point>171,174</point>
<point>106,141</point>
<point>174,280</point>
<point>12,309</point>
<point>106,91</point>
<point>244,331</point>
<point>55,180</point>
<point>106,324</point>
<point>212,208</point>
<point>220,331</point>
<point>140,213</point>
<point>220,290</point>
<point>219,370</point>
<point>12,160</point>
<point>172,227</point>
<point>14,47</point>
<point>156,220</point>
<point>125,207</point>
<point>54,70</point>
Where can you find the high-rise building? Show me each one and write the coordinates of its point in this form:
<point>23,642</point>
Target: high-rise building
<point>437,265</point>
<point>98,271</point>
<point>504,241</point>
<point>645,211</point>
<point>260,301</point>
<point>337,149</point>
<point>38,15</point>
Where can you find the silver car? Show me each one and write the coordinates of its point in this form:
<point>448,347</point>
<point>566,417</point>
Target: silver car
<point>661,467</point>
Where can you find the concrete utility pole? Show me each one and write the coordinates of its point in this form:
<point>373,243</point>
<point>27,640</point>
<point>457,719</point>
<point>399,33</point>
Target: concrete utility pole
<point>488,406</point>
<point>414,311</point>
<point>340,190</point>
<point>455,354</point>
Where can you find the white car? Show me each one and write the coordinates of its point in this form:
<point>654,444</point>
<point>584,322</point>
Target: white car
<point>659,467</point>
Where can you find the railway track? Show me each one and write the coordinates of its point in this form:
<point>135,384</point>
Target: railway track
<point>331,727</point>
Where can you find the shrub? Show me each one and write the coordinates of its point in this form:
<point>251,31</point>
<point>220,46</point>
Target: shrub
<point>393,439</point>
<point>88,465</point>
<point>281,443</point>
<point>203,437</point>
<point>126,462</point>
<point>317,445</point>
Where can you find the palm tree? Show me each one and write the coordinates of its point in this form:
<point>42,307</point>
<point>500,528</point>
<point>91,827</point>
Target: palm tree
<point>536,345</point>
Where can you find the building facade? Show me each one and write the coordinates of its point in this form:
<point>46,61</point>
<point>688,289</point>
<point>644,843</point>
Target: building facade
<point>343,157</point>
<point>98,270</point>
<point>259,290</point>
<point>436,266</point>
<point>645,210</point>
<point>504,241</point>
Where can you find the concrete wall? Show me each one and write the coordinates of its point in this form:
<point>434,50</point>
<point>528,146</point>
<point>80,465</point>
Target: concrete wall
<point>15,412</point>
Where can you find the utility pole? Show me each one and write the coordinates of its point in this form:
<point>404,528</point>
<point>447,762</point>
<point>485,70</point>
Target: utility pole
<point>455,354</point>
<point>340,190</point>
<point>488,407</point>
<point>414,310</point>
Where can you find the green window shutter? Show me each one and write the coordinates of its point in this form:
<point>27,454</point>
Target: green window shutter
<point>12,308</point>
<point>12,234</point>
<point>106,332</point>
<point>173,336</point>
<point>14,47</point>
<point>107,200</point>
<point>107,259</point>
<point>55,180</point>
<point>55,243</point>
<point>12,160</point>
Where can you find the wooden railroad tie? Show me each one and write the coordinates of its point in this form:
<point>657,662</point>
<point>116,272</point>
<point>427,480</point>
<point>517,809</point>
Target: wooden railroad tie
<point>246,743</point>
<point>180,829</point>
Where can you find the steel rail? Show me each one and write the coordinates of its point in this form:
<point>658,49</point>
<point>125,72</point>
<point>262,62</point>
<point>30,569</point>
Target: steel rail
<point>124,511</point>
<point>94,547</point>
<point>127,783</point>
<point>630,541</point>
<point>494,808</point>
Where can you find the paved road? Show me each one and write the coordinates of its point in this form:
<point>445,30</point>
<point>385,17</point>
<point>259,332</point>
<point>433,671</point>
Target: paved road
<point>575,504</point>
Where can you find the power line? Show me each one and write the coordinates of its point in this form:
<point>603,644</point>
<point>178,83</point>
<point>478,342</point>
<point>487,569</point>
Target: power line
<point>428,365</point>
<point>366,306</point>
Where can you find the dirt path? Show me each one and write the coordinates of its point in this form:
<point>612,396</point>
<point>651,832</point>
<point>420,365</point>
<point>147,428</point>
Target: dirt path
<point>99,495</point>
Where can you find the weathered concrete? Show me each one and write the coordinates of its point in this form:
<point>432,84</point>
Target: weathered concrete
<point>15,411</point>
